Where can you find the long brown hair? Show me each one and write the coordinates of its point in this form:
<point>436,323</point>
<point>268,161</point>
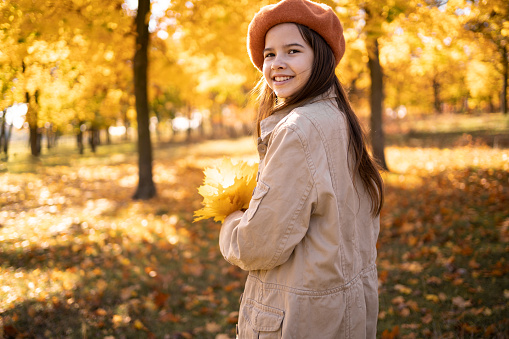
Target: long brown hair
<point>323,77</point>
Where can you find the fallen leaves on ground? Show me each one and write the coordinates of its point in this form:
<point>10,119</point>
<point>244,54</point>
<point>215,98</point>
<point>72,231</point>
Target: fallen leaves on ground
<point>79,258</point>
<point>443,250</point>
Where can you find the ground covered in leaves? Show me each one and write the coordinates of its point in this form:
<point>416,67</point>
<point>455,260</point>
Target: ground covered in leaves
<point>80,259</point>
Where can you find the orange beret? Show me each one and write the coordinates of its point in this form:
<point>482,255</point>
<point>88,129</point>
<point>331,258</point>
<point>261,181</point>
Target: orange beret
<point>319,17</point>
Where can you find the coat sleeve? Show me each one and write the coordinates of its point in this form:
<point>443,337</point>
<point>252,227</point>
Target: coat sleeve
<point>279,212</point>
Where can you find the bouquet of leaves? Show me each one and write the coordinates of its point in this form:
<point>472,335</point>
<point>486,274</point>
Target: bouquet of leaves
<point>227,188</point>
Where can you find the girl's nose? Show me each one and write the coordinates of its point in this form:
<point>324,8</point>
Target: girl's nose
<point>278,63</point>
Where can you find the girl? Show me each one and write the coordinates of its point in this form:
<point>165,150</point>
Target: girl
<point>308,238</point>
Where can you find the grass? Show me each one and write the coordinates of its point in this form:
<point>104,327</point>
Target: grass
<point>80,259</point>
<point>495,122</point>
<point>449,130</point>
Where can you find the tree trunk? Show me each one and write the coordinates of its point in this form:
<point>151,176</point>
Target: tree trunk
<point>436,94</point>
<point>91,139</point>
<point>39,141</point>
<point>491,105</point>
<point>79,140</point>
<point>146,188</point>
<point>3,137</point>
<point>376,103</point>
<point>127,124</point>
<point>32,124</point>
<point>49,132</point>
<point>505,66</point>
<point>189,130</point>
<point>7,140</point>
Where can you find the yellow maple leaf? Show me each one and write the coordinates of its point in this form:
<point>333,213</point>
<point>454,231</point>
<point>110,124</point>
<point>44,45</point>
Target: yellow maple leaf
<point>139,325</point>
<point>227,188</point>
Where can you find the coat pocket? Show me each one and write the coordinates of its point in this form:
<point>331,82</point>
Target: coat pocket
<point>260,321</point>
<point>260,191</point>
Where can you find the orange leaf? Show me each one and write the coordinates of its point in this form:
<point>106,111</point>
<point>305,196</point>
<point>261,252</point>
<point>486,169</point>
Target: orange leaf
<point>383,275</point>
<point>231,286</point>
<point>434,280</point>
<point>427,318</point>
<point>394,333</point>
<point>212,327</point>
<point>413,305</point>
<point>470,328</point>
<point>170,317</point>
<point>233,318</point>
<point>473,264</point>
<point>460,302</point>
<point>160,299</point>
<point>405,312</point>
<point>398,300</point>
<point>101,312</point>
<point>117,320</point>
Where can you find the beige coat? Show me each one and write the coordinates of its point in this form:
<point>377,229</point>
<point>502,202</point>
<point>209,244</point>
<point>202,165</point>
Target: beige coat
<point>307,239</point>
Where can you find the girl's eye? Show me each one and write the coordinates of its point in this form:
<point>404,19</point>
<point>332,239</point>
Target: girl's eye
<point>293,51</point>
<point>268,55</point>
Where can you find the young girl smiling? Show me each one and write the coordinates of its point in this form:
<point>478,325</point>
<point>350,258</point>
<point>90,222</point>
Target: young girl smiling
<point>308,238</point>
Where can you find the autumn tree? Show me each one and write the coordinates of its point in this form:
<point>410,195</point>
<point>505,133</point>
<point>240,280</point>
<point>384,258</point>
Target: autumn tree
<point>146,188</point>
<point>425,59</point>
<point>59,54</point>
<point>490,22</point>
<point>206,55</point>
<point>78,69</point>
<point>368,18</point>
<point>36,55</point>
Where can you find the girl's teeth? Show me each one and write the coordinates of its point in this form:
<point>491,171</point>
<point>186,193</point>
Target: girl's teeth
<point>281,78</point>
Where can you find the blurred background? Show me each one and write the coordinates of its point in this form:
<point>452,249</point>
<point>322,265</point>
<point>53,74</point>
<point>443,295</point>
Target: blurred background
<point>105,101</point>
<point>67,66</point>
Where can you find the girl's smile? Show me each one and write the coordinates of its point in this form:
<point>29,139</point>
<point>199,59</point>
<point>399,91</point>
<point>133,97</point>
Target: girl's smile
<point>288,60</point>
<point>278,79</point>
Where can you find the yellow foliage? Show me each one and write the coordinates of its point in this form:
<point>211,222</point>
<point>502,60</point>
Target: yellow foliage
<point>139,325</point>
<point>226,188</point>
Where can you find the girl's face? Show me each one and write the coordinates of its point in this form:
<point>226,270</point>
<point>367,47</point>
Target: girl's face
<point>288,60</point>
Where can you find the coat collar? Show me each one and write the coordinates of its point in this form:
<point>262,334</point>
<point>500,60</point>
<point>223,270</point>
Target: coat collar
<point>268,124</point>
